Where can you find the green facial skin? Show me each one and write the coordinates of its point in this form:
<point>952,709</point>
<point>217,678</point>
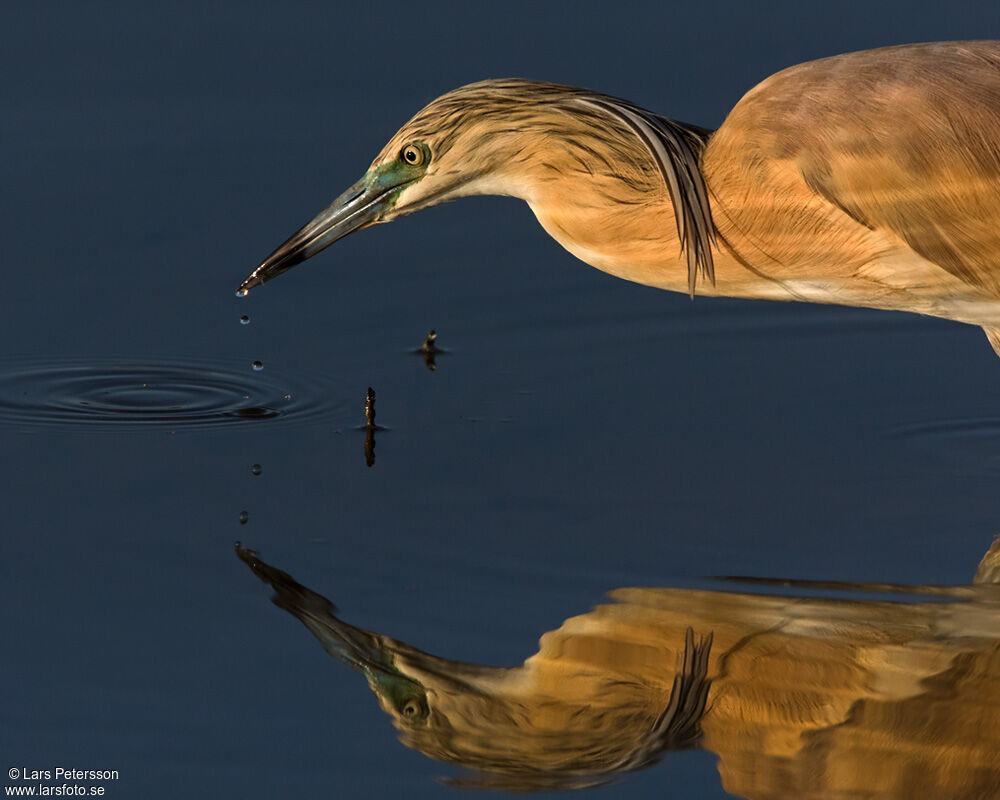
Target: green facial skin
<point>363,204</point>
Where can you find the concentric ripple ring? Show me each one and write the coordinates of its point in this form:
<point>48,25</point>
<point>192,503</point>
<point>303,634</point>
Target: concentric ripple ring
<point>137,394</point>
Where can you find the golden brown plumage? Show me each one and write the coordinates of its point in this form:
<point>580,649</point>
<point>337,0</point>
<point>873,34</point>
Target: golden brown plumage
<point>868,179</point>
<point>799,696</point>
<point>873,176</point>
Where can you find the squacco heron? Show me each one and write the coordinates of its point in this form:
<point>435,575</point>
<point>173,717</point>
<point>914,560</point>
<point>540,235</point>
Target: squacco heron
<point>799,696</point>
<point>866,179</point>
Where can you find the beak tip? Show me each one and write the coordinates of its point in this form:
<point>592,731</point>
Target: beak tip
<point>251,281</point>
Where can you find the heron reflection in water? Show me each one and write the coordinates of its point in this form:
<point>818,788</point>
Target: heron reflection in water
<point>800,697</point>
<point>866,179</point>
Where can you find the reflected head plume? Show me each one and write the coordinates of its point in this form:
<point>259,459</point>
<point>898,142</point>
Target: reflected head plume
<point>551,723</point>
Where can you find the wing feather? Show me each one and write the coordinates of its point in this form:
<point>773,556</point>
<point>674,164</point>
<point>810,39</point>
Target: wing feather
<point>902,139</point>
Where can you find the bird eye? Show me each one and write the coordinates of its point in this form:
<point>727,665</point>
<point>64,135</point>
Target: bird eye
<point>411,709</point>
<point>412,155</point>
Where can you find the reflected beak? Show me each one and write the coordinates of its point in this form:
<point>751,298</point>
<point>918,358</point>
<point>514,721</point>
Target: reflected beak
<point>356,647</point>
<point>360,206</point>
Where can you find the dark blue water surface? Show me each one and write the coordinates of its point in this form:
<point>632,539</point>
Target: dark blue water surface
<point>580,434</point>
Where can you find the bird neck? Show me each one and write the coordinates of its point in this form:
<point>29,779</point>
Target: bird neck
<point>616,216</point>
<point>601,176</point>
<point>636,242</point>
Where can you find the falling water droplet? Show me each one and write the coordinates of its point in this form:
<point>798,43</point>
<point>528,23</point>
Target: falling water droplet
<point>244,320</point>
<point>242,292</point>
<point>256,469</point>
<point>258,366</point>
<point>244,516</point>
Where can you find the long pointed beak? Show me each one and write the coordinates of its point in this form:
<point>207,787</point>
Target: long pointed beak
<point>360,206</point>
<point>356,647</point>
<point>372,655</point>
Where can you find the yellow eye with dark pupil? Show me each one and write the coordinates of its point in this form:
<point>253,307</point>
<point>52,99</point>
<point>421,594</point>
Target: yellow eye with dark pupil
<point>413,156</point>
<point>410,709</point>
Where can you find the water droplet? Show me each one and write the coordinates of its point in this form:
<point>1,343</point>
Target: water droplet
<point>244,516</point>
<point>256,469</point>
<point>244,320</point>
<point>258,366</point>
<point>242,292</point>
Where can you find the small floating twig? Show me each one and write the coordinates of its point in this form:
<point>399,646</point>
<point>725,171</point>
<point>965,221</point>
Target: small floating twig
<point>370,427</point>
<point>429,345</point>
<point>370,409</point>
<point>429,350</point>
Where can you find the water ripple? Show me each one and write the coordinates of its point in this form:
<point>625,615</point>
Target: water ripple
<point>177,394</point>
<point>980,428</point>
<point>973,442</point>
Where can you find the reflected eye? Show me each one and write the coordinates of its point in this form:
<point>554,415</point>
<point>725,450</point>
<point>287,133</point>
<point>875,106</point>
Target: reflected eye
<point>412,155</point>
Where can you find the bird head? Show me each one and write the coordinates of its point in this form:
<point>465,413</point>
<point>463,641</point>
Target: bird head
<point>544,143</point>
<point>514,727</point>
<point>451,148</point>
